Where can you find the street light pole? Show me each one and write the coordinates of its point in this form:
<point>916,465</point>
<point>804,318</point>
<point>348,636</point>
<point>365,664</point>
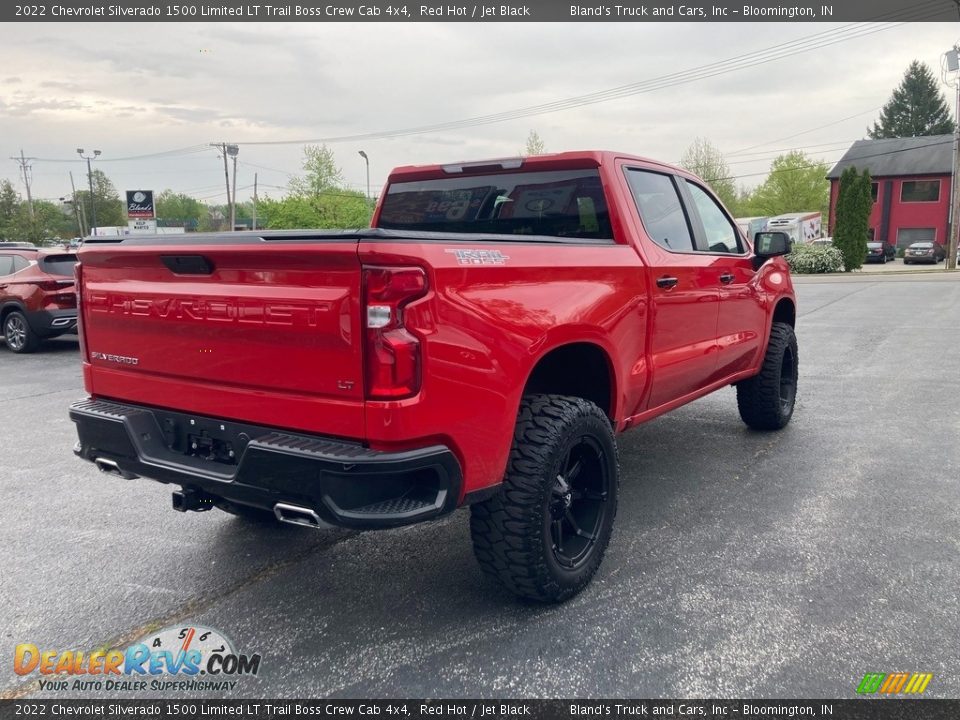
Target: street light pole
<point>367,161</point>
<point>93,205</point>
<point>953,65</point>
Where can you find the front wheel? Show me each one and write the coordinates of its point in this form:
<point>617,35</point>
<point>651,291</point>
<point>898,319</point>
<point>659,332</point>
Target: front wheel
<point>766,400</point>
<point>544,534</point>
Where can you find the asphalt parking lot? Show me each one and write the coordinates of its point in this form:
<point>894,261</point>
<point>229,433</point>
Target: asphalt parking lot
<point>743,564</point>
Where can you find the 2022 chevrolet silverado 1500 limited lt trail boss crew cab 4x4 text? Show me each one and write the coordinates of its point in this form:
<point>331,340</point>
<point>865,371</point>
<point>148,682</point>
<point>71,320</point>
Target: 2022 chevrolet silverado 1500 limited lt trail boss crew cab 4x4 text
<point>480,345</point>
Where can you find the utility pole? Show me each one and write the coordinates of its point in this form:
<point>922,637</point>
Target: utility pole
<point>234,151</point>
<point>953,65</point>
<point>93,204</point>
<point>78,206</point>
<point>255,201</point>
<point>22,161</point>
<point>222,147</point>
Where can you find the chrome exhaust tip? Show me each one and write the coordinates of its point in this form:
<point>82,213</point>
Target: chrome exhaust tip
<point>296,515</point>
<point>110,467</point>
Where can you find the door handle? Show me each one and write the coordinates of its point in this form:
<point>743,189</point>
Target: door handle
<point>727,278</point>
<point>666,282</point>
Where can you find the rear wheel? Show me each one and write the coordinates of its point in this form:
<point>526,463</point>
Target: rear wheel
<point>766,400</point>
<point>18,335</point>
<point>544,534</point>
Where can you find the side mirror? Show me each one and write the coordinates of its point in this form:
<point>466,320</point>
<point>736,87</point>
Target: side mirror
<point>769,244</point>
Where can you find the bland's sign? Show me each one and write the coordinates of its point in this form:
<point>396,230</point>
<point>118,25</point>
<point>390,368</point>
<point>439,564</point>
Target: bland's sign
<point>140,204</point>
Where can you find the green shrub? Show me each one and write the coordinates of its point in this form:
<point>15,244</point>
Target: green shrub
<point>812,259</point>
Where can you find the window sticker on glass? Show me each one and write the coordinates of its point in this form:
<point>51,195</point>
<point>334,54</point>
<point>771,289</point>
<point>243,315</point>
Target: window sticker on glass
<point>540,201</point>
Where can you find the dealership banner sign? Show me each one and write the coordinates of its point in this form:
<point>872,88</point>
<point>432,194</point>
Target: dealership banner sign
<point>453,709</point>
<point>140,204</point>
<point>454,11</point>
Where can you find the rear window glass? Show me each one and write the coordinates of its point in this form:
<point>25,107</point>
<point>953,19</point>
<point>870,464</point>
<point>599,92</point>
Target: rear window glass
<point>58,264</point>
<point>873,244</point>
<point>922,245</point>
<point>562,203</point>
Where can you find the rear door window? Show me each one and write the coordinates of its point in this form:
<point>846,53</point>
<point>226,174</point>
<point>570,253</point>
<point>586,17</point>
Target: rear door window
<point>561,203</point>
<point>661,211</point>
<point>6,265</point>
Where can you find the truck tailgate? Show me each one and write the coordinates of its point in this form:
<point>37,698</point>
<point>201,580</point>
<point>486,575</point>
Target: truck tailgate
<point>264,332</point>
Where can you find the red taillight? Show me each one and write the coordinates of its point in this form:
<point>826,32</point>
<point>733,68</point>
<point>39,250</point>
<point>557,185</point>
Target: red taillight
<point>392,353</point>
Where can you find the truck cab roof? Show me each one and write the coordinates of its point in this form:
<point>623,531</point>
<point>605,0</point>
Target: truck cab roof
<point>565,160</point>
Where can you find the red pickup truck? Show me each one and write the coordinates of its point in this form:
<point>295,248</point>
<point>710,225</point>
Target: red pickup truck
<point>481,344</point>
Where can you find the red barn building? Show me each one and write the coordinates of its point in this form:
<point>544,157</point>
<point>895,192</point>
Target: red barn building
<point>911,187</point>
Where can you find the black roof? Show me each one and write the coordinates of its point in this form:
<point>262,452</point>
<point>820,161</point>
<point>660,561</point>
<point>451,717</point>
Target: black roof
<point>928,155</point>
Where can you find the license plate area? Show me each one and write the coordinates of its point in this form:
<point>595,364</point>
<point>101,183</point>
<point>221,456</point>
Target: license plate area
<point>202,438</point>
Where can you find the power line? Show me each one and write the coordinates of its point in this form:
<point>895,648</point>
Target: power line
<point>801,45</point>
<point>804,132</point>
<point>858,157</point>
<point>177,152</point>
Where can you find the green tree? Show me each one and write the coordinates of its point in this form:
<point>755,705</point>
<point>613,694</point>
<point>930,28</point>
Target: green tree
<point>795,184</point>
<point>535,145</point>
<point>332,209</point>
<point>177,208</point>
<point>321,172</point>
<point>9,207</point>
<point>110,210</point>
<point>50,222</point>
<point>317,199</point>
<point>704,160</point>
<point>47,222</point>
<point>852,217</point>
<point>916,107</point>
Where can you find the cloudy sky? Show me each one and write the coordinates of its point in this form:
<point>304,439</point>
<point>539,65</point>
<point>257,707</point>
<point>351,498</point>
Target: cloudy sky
<point>141,89</point>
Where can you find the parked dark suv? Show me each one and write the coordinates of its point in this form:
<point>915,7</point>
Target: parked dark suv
<point>37,297</point>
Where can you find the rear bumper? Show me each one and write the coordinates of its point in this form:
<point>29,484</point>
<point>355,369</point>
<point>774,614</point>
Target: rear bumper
<point>49,323</point>
<point>344,483</point>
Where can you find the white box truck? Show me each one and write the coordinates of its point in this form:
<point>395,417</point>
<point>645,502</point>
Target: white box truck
<point>802,227</point>
<point>750,226</point>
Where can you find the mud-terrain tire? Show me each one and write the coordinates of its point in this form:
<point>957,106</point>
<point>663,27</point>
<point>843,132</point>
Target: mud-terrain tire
<point>543,535</point>
<point>766,401</point>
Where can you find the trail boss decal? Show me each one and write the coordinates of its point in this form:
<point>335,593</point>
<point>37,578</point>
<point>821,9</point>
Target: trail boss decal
<point>479,257</point>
